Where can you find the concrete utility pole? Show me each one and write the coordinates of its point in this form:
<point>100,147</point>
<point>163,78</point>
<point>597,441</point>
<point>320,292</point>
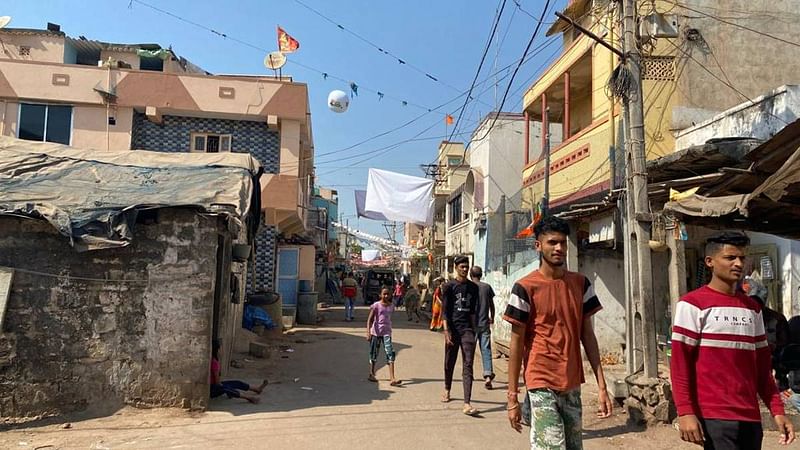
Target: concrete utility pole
<point>638,215</point>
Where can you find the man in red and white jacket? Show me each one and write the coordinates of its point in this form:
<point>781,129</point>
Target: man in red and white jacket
<point>721,363</point>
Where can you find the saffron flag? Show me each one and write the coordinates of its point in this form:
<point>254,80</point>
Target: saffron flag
<point>448,119</point>
<point>286,43</point>
<point>528,231</point>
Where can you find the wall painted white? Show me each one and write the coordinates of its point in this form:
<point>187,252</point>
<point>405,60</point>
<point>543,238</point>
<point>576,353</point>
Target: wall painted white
<point>788,266</point>
<point>760,119</point>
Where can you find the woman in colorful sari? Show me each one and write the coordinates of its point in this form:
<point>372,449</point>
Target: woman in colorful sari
<point>436,309</point>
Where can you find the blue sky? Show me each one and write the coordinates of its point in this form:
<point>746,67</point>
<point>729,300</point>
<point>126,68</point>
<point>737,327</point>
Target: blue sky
<point>443,38</point>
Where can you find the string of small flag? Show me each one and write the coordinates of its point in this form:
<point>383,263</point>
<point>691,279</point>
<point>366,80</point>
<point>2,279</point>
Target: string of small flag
<point>286,41</point>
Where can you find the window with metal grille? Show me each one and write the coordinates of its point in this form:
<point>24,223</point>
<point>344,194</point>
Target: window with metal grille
<point>658,68</point>
<point>24,50</point>
<point>210,143</point>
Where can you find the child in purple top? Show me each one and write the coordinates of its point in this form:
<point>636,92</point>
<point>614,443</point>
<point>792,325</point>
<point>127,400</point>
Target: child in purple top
<point>379,332</point>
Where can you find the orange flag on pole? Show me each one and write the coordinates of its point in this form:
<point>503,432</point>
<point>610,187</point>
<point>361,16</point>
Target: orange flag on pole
<point>286,43</point>
<point>448,119</point>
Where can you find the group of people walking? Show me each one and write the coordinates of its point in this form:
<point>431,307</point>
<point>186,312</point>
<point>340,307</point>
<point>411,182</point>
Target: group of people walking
<point>728,348</point>
<point>722,358</point>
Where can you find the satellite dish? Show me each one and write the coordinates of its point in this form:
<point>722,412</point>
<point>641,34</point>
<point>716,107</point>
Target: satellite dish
<point>275,60</point>
<point>4,21</point>
<point>338,101</point>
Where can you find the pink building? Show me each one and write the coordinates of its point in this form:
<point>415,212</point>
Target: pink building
<point>100,95</point>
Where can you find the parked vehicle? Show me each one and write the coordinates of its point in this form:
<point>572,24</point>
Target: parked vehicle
<point>374,281</point>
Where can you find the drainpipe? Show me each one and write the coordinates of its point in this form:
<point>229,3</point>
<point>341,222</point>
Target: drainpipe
<point>565,125</point>
<point>108,107</point>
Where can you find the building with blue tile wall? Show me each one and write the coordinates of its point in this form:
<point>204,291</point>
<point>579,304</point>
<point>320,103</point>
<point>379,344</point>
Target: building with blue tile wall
<point>173,134</point>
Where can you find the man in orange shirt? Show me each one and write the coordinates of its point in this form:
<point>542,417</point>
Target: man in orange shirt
<point>551,311</point>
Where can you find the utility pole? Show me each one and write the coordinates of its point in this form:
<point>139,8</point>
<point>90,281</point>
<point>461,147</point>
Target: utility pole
<point>637,211</point>
<point>546,152</point>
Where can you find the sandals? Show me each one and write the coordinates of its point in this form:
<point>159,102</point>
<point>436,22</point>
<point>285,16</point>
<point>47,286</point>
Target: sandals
<point>445,398</point>
<point>488,384</point>
<point>470,411</point>
<point>396,383</point>
<point>372,378</point>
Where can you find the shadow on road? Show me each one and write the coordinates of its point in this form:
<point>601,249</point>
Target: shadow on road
<point>327,366</point>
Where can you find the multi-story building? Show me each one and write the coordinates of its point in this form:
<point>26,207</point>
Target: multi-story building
<point>107,96</point>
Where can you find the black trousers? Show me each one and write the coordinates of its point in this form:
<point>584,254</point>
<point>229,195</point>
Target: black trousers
<point>731,434</point>
<point>465,341</point>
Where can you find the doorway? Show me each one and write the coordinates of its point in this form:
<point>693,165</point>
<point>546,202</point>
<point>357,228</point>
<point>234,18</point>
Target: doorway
<point>288,274</point>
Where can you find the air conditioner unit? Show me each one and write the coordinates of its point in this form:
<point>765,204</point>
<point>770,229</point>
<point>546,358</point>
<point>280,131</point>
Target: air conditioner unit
<point>657,25</point>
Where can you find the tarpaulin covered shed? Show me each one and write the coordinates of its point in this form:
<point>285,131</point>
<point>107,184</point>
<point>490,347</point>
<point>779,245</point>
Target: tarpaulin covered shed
<point>763,197</point>
<point>93,196</point>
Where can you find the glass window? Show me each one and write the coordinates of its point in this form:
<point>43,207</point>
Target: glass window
<point>454,160</point>
<point>199,143</point>
<point>31,122</point>
<point>51,123</point>
<point>59,124</point>
<point>225,144</point>
<point>455,211</point>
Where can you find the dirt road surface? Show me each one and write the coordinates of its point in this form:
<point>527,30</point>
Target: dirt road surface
<point>319,398</point>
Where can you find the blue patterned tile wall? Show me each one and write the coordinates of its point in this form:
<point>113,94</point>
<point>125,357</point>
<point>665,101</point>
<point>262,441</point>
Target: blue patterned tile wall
<point>174,135</point>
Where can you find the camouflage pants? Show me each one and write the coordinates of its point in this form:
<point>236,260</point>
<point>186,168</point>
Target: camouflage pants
<point>555,419</point>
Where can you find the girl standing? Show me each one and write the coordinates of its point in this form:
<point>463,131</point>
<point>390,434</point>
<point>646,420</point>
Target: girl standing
<point>379,333</point>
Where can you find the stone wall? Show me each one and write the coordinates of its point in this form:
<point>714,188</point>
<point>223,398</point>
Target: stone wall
<point>73,344</point>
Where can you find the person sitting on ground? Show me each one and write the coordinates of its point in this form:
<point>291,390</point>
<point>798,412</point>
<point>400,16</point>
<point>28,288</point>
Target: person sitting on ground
<point>379,332</point>
<point>231,388</point>
<point>411,300</point>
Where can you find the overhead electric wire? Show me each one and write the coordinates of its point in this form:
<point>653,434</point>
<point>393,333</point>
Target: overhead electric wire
<point>480,65</point>
<point>381,49</point>
<point>731,86</point>
<point>734,24</point>
<point>516,69</point>
<point>325,74</point>
<point>538,51</point>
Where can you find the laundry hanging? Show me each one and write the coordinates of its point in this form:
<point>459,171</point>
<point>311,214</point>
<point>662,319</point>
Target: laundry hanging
<point>400,197</point>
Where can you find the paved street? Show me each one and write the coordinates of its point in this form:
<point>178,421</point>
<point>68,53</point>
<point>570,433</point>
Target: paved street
<point>332,406</point>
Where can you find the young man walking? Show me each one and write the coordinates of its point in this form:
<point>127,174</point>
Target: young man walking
<point>721,361</point>
<point>550,311</point>
<point>485,321</point>
<point>459,305</point>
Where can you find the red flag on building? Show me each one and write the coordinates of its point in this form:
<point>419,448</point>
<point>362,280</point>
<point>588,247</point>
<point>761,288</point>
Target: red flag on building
<point>528,231</point>
<point>286,43</point>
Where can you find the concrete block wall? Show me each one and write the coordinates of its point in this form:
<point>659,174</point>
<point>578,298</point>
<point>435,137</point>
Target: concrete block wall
<point>73,345</point>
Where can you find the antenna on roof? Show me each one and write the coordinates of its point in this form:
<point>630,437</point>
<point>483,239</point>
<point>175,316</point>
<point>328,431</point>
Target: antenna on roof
<point>274,61</point>
<point>4,21</point>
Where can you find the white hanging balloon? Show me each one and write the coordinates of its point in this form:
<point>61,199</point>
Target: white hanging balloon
<point>338,101</point>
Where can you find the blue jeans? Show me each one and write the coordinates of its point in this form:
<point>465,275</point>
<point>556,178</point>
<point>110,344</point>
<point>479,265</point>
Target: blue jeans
<point>485,342</point>
<point>349,308</point>
<point>230,388</point>
<point>795,401</point>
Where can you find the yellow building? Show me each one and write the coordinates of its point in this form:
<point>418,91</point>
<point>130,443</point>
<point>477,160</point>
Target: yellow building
<point>572,92</point>
<point>707,66</point>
